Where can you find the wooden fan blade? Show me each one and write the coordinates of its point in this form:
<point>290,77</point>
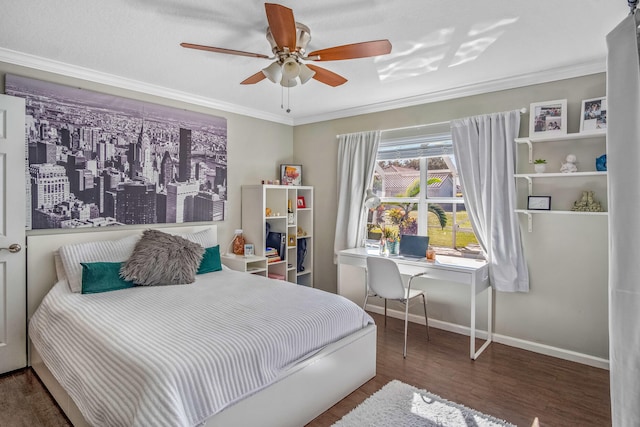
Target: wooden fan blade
<point>223,50</point>
<point>282,25</point>
<point>259,76</point>
<point>327,77</point>
<point>352,51</point>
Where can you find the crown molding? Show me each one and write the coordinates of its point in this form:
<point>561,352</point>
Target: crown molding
<point>57,67</point>
<point>545,76</point>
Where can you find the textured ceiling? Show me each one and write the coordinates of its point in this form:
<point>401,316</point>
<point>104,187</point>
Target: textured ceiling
<point>440,48</point>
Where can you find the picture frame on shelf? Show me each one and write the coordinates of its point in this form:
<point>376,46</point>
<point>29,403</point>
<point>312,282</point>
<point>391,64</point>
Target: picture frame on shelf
<point>291,174</point>
<point>301,202</point>
<point>248,249</point>
<point>539,203</point>
<point>593,115</point>
<point>548,118</point>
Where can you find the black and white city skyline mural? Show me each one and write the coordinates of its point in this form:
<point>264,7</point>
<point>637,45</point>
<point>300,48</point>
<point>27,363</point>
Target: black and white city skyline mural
<point>96,160</point>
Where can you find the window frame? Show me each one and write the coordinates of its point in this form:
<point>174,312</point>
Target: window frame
<point>417,144</point>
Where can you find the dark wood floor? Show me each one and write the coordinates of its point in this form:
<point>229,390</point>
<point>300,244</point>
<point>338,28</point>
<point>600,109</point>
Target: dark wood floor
<point>508,383</point>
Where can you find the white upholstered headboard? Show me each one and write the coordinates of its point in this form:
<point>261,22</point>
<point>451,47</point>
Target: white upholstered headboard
<point>41,272</point>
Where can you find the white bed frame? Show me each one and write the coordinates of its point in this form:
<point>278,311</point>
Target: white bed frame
<point>301,394</point>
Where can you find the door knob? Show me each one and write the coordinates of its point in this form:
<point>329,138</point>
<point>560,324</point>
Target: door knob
<point>12,248</point>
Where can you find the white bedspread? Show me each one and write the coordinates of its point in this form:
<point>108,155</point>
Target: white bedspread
<point>176,355</point>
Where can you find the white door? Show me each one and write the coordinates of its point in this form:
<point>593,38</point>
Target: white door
<point>13,295</point>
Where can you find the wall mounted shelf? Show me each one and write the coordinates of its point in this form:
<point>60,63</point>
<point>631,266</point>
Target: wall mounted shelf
<point>557,137</point>
<point>530,213</point>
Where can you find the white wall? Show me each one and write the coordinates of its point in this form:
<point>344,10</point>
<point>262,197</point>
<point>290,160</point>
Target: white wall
<point>255,148</point>
<point>567,255</point>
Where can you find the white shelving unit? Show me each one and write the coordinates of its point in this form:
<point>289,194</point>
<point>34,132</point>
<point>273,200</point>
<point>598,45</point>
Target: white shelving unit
<point>565,186</point>
<point>249,264</point>
<point>256,200</point>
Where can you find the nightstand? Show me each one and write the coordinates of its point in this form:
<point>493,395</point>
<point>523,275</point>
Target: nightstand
<point>249,264</point>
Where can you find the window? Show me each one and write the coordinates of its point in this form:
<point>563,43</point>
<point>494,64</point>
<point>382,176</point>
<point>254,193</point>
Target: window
<point>408,162</point>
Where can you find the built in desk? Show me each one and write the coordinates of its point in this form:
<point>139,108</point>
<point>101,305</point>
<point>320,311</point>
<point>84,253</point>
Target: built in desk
<point>465,271</point>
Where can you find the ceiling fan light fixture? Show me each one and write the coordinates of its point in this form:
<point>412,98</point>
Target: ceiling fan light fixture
<point>288,82</point>
<point>290,69</point>
<point>306,73</point>
<point>273,72</point>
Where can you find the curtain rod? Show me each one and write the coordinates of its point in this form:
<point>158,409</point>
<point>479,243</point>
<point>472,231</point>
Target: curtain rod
<point>522,111</point>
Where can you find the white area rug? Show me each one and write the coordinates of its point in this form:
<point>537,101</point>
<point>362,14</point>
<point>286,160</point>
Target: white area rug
<point>402,405</point>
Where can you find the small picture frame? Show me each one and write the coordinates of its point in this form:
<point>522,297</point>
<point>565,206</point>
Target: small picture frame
<point>291,174</point>
<point>248,249</point>
<point>539,203</point>
<point>593,115</point>
<point>301,202</point>
<point>548,118</point>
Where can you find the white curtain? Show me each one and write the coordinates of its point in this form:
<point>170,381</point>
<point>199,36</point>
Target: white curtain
<point>623,160</point>
<point>356,163</point>
<point>485,151</point>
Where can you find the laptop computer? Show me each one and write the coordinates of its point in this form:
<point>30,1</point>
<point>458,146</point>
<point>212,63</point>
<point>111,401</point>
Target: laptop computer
<point>413,247</point>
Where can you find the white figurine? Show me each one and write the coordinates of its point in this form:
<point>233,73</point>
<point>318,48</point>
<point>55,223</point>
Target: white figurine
<point>570,165</point>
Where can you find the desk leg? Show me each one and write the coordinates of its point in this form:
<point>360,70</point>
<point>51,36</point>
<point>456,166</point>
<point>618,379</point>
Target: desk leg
<point>474,355</point>
<point>472,330</point>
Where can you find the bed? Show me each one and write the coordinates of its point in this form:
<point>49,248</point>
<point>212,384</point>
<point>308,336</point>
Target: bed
<point>292,392</point>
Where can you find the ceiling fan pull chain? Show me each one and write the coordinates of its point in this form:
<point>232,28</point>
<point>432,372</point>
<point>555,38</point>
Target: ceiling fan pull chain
<point>282,97</point>
<point>288,99</point>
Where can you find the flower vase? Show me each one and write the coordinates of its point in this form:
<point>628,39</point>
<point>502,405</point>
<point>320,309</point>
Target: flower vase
<point>540,167</point>
<point>393,247</point>
<point>384,247</point>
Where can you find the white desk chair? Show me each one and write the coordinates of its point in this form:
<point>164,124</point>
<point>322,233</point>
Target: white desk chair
<point>384,280</point>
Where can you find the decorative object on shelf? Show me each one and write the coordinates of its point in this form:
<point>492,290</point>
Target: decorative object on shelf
<point>248,249</point>
<point>371,201</point>
<point>290,217</point>
<point>302,253</point>
<point>587,203</point>
<point>540,165</point>
<point>601,163</point>
<point>301,203</point>
<point>539,203</point>
<point>593,115</point>
<point>267,212</point>
<point>548,118</point>
<point>301,232</point>
<point>292,240</point>
<point>570,165</point>
<point>291,174</point>
<point>238,242</point>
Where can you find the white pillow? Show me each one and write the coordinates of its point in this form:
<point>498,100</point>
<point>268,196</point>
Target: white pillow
<point>60,273</point>
<point>206,238</point>
<point>104,251</point>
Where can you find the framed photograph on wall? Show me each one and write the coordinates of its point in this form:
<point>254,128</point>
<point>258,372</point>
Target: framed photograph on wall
<point>539,203</point>
<point>593,115</point>
<point>291,174</point>
<point>548,118</point>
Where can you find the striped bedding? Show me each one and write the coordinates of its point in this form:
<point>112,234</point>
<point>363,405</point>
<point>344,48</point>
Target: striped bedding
<point>176,355</point>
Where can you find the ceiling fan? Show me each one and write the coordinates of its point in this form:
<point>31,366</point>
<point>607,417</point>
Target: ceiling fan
<point>289,40</point>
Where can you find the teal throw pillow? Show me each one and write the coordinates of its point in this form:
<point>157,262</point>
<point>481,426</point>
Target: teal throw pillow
<point>102,277</point>
<point>210,260</point>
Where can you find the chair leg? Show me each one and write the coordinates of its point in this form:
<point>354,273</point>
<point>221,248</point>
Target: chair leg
<point>406,325</point>
<point>426,318</point>
<point>385,312</point>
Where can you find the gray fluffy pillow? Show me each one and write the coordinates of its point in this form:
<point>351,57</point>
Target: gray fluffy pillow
<point>162,259</point>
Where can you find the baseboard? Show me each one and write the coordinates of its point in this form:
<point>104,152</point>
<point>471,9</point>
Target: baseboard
<point>535,347</point>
